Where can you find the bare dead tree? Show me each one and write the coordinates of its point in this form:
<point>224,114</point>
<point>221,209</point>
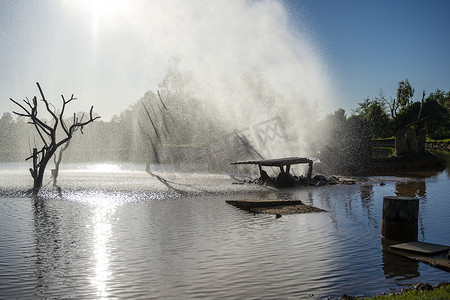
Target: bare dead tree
<point>48,133</point>
<point>57,158</point>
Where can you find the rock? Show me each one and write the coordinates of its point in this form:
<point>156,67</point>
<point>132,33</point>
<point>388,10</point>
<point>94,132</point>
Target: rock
<point>405,290</point>
<point>321,182</point>
<point>348,181</point>
<point>264,175</point>
<point>277,216</point>
<point>332,180</point>
<point>285,180</point>
<point>441,284</point>
<point>319,177</point>
<point>423,287</point>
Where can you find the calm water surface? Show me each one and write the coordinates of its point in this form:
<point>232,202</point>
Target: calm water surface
<point>114,232</point>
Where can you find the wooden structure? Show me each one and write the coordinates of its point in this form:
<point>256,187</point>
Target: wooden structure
<point>283,163</point>
<point>432,254</point>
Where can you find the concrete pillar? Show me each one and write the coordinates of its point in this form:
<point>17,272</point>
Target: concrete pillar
<point>400,218</point>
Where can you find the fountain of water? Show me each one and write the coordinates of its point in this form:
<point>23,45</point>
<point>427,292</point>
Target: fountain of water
<point>231,66</point>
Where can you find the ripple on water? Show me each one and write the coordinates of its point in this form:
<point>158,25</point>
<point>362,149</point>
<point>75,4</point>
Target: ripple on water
<point>126,235</point>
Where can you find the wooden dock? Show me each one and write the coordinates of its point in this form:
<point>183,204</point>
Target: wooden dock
<point>432,254</point>
<point>262,203</point>
<point>283,163</point>
<point>284,178</point>
<point>275,207</point>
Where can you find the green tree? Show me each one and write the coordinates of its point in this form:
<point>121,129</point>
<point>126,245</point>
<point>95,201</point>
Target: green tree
<point>407,115</point>
<point>405,92</point>
<point>436,109</point>
<point>442,97</point>
<point>373,112</point>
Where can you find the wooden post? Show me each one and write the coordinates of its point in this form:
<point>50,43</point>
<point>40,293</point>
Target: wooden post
<point>310,166</point>
<point>288,168</point>
<point>400,215</point>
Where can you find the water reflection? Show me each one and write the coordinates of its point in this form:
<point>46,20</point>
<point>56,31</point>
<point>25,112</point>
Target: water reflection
<point>46,241</point>
<point>101,223</point>
<point>367,204</point>
<point>411,188</point>
<point>416,189</point>
<point>399,268</point>
<point>66,232</point>
<point>57,244</point>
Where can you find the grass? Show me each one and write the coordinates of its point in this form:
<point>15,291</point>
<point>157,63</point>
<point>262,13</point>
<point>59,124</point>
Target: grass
<point>430,140</point>
<point>381,152</point>
<point>436,294</point>
<point>385,139</point>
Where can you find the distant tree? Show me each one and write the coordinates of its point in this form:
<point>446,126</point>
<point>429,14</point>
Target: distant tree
<point>7,141</point>
<point>48,133</point>
<point>373,111</point>
<point>405,92</point>
<point>437,110</point>
<point>406,115</point>
<point>335,125</point>
<point>6,118</point>
<point>442,97</point>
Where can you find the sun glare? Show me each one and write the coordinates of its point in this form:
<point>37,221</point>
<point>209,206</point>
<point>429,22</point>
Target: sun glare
<point>104,12</point>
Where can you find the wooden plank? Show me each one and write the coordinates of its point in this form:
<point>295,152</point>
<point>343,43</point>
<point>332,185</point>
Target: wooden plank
<point>442,263</point>
<point>277,162</point>
<point>274,207</point>
<point>262,203</point>
<point>420,248</point>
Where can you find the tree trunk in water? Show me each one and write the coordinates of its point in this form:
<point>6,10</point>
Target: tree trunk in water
<point>39,172</point>
<point>38,182</point>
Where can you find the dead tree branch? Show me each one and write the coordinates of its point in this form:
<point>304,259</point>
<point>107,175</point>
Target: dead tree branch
<point>47,133</point>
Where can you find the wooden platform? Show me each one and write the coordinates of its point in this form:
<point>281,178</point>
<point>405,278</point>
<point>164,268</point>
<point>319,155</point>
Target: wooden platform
<point>283,163</point>
<point>432,254</point>
<point>274,207</point>
<point>275,162</point>
<point>421,248</point>
<point>262,203</point>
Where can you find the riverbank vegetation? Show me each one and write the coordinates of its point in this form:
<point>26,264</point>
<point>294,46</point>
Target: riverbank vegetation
<point>422,291</point>
<point>407,122</point>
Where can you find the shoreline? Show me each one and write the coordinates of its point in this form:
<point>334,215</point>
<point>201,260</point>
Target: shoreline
<point>420,290</point>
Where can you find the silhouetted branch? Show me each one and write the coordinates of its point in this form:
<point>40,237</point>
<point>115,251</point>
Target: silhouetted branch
<point>419,114</point>
<point>165,107</point>
<point>153,124</point>
<point>152,144</point>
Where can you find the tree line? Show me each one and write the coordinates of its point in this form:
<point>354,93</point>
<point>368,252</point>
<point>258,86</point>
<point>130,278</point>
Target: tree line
<point>183,126</point>
<point>379,117</point>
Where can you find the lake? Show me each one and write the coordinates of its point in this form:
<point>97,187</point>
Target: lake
<point>114,231</point>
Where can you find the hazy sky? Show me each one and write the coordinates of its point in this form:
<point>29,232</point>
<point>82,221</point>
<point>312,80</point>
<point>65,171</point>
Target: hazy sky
<point>110,52</point>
